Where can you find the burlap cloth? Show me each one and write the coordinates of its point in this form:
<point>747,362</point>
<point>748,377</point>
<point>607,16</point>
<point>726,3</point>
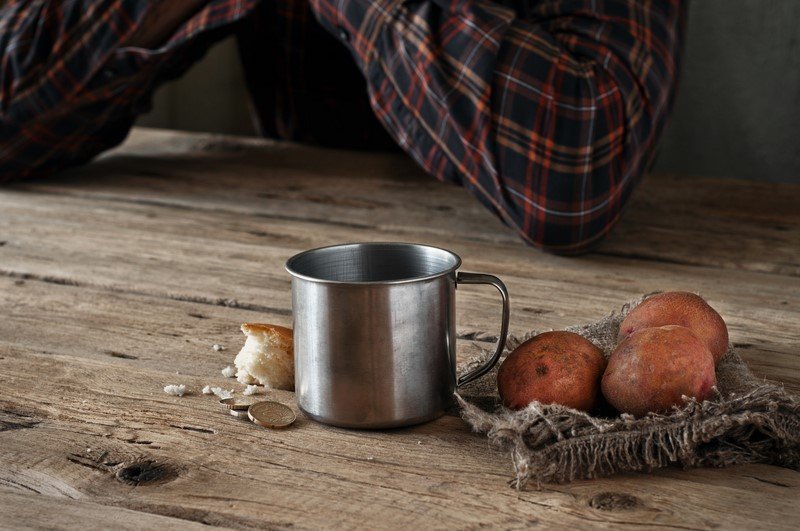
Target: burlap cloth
<point>748,421</point>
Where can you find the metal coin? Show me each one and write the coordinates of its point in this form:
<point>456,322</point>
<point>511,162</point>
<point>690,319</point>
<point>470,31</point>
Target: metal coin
<point>231,403</point>
<point>271,414</point>
<point>238,414</point>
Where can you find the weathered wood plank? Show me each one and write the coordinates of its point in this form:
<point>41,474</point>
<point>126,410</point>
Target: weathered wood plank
<point>23,509</point>
<point>720,223</point>
<point>725,223</point>
<point>136,328</point>
<point>214,257</point>
<point>135,331</point>
<point>116,276</point>
<point>92,435</point>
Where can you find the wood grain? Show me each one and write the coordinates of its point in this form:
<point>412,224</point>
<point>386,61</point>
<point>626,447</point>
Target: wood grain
<point>714,222</point>
<point>116,279</point>
<point>121,441</point>
<point>181,254</point>
<point>24,510</point>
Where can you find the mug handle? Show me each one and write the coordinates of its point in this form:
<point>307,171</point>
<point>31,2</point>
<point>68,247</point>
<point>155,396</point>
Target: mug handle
<point>481,278</point>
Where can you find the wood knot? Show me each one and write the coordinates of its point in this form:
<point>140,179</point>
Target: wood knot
<point>146,473</point>
<point>614,501</point>
<point>17,420</point>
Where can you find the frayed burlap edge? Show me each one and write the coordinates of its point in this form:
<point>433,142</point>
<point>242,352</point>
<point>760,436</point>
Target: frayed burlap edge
<point>748,421</point>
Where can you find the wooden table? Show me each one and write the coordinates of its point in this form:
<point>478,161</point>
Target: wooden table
<point>116,279</point>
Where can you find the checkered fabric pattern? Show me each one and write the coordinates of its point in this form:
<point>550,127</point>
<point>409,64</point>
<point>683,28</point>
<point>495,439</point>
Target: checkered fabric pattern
<point>548,111</point>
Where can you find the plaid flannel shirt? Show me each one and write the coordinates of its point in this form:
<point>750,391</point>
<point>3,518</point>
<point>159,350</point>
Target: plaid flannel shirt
<point>547,111</point>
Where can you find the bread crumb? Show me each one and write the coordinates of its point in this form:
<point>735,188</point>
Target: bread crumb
<point>217,348</point>
<point>176,390</point>
<point>219,391</point>
<point>250,390</point>
<point>229,371</point>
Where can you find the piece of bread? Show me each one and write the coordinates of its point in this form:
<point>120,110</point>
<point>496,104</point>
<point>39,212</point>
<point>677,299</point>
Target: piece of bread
<point>267,356</point>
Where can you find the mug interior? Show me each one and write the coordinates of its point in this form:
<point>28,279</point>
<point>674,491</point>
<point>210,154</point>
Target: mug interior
<point>372,262</point>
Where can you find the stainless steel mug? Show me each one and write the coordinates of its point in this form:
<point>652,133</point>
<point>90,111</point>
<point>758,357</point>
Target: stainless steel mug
<point>375,332</point>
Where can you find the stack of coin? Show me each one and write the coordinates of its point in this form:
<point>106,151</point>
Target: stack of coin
<point>237,409</point>
<point>268,414</point>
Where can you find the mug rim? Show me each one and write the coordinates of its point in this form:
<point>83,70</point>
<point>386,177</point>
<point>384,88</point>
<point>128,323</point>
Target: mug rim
<point>296,274</point>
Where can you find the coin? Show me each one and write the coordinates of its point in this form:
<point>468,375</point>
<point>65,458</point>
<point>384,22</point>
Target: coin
<point>271,414</point>
<point>238,414</point>
<point>231,403</point>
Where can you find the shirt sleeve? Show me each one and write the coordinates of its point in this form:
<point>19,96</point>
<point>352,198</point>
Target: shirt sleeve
<point>70,88</point>
<point>549,112</point>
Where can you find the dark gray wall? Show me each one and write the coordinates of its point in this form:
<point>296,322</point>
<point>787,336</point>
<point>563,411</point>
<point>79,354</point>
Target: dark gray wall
<point>737,113</point>
<point>738,108</point>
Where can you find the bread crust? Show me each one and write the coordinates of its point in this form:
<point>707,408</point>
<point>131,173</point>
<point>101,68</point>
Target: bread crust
<point>280,336</point>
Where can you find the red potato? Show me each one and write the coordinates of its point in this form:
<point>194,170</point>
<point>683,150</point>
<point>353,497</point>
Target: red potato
<point>683,309</point>
<point>552,368</point>
<point>652,369</point>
